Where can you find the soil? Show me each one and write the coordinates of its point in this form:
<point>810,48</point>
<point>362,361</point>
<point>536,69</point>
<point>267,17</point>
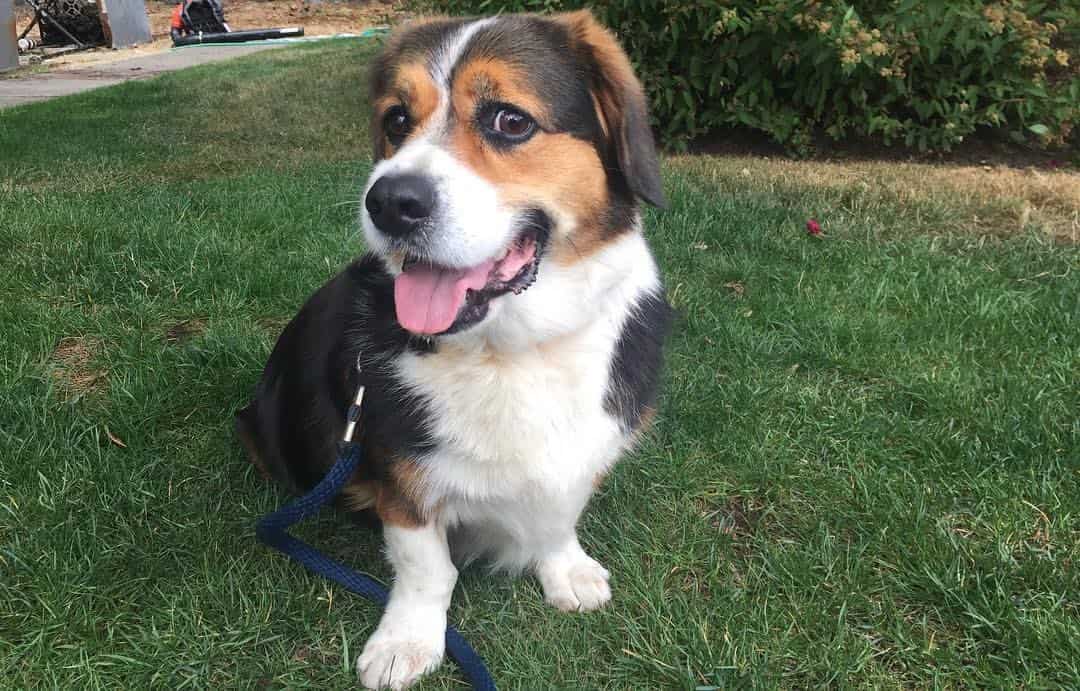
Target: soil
<point>318,19</point>
<point>981,149</point>
<point>323,18</point>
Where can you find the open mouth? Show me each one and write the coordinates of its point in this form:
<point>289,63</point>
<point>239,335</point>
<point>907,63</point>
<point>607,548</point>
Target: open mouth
<point>431,299</point>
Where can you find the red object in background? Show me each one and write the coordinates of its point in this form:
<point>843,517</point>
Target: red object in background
<point>177,19</point>
<point>813,227</point>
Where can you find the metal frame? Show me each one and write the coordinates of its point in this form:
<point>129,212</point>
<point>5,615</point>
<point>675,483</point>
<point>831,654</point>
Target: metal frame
<point>41,15</point>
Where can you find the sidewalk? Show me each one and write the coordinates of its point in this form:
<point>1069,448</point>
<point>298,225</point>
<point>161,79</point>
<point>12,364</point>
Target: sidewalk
<point>76,79</point>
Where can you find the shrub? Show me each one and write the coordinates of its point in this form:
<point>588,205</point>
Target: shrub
<point>925,73</point>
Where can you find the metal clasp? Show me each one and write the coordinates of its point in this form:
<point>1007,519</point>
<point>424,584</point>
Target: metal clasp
<point>353,415</point>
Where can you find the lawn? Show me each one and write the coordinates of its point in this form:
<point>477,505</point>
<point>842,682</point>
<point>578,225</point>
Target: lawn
<point>865,471</point>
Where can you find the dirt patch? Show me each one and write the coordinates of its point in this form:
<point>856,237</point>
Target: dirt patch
<point>73,369</point>
<point>737,288</point>
<point>185,330</point>
<point>738,516</point>
<point>273,325</point>
<point>318,19</point>
<point>306,653</point>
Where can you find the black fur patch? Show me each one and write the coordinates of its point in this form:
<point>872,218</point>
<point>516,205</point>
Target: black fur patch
<point>299,408</point>
<point>635,369</point>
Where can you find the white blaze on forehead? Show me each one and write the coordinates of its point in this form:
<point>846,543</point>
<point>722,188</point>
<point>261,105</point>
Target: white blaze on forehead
<point>447,55</point>
<point>441,67</point>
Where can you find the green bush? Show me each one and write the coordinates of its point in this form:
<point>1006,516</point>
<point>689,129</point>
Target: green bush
<point>925,73</point>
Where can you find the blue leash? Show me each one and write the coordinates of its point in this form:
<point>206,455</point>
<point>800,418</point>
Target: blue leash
<point>273,528</point>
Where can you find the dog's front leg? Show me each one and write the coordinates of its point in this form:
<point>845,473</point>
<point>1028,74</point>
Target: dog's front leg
<point>410,638</point>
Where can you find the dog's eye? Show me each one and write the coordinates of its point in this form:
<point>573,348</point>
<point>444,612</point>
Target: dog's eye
<point>508,123</point>
<point>512,123</point>
<point>396,124</point>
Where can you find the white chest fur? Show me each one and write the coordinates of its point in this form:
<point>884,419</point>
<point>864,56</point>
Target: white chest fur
<point>527,422</point>
<point>521,440</point>
<point>523,432</point>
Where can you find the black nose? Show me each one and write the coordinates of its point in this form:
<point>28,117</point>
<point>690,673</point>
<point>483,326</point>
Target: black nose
<point>398,204</point>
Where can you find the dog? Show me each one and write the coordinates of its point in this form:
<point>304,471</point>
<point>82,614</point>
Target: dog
<point>509,319</point>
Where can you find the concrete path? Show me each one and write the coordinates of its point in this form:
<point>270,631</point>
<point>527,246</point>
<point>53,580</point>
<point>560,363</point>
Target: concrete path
<point>72,80</point>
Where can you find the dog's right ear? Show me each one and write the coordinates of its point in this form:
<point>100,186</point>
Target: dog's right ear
<point>620,103</point>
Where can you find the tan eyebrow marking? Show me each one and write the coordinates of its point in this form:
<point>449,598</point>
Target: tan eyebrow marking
<point>492,79</point>
<point>412,87</point>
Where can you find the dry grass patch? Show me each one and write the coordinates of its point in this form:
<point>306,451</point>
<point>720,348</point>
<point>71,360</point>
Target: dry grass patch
<point>73,368</point>
<point>989,200</point>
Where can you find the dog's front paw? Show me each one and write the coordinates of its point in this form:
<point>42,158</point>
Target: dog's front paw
<point>399,653</point>
<point>575,583</point>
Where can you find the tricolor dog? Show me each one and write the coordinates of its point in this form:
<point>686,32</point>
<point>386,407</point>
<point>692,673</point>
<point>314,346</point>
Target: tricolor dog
<point>509,318</point>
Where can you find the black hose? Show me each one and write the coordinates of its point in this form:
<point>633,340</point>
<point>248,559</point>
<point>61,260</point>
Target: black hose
<point>238,36</point>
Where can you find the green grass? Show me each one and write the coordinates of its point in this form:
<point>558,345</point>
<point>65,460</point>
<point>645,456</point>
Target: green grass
<point>866,470</point>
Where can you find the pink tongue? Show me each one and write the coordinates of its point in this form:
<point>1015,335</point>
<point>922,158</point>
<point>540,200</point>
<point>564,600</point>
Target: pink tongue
<point>427,298</point>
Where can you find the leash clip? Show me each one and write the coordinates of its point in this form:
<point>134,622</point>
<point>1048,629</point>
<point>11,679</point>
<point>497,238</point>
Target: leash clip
<point>353,416</point>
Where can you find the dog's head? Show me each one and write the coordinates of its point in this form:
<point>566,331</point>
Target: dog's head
<point>508,150</point>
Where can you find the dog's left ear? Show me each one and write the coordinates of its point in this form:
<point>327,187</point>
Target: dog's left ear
<point>621,104</point>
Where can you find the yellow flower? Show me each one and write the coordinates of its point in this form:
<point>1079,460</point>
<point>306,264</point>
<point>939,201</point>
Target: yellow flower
<point>878,48</point>
<point>823,27</point>
<point>1062,57</point>
<point>995,16</point>
<point>850,56</point>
